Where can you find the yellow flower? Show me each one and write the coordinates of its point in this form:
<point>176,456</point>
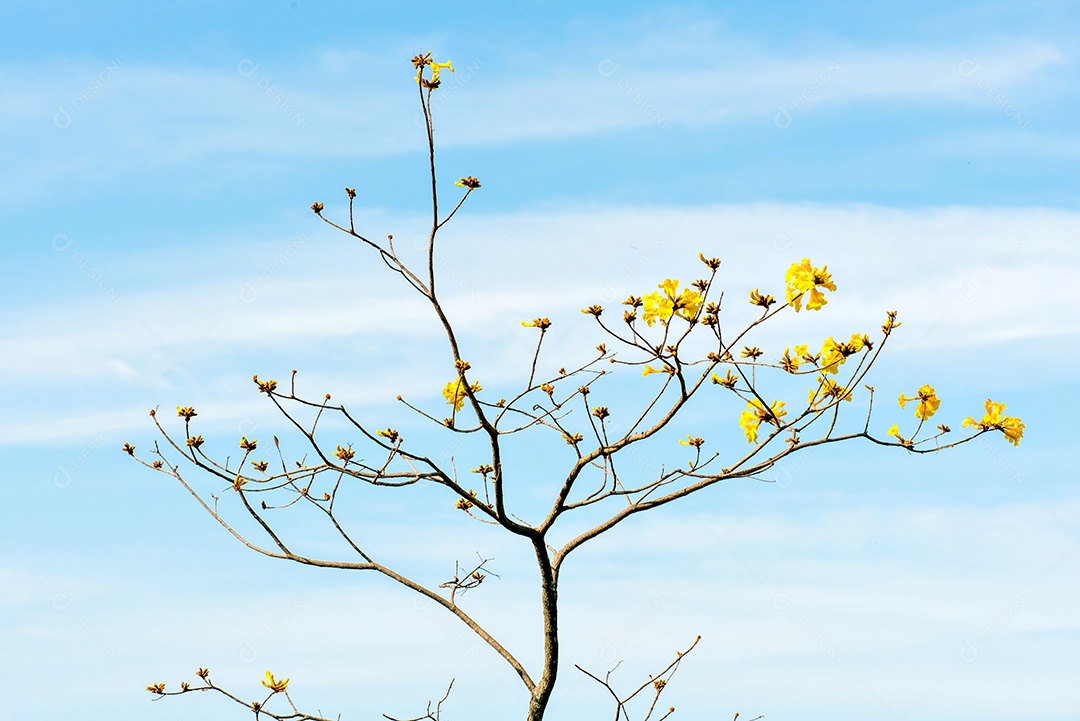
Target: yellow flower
<point>264,386</point>
<point>421,61</point>
<point>834,354</point>
<point>186,412</point>
<point>791,365</point>
<point>756,298</point>
<point>828,388</point>
<point>802,277</point>
<point>1010,426</point>
<point>541,323</point>
<point>662,306</point>
<point>275,685</point>
<point>246,444</point>
<point>344,454</point>
<point>158,688</point>
<point>802,351</point>
<point>436,68</point>
<point>713,263</point>
<point>928,402</point>
<point>691,441</point>
<point>728,381</point>
<point>455,394</point>
<point>468,182</point>
<point>752,352</point>
<point>657,308</point>
<point>755,413</point>
<point>649,370</point>
<point>895,431</point>
<point>390,434</point>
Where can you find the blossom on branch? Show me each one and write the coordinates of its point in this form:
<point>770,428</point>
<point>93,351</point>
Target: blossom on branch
<point>424,60</point>
<point>455,394</point>
<point>928,402</point>
<point>662,306</point>
<point>728,381</point>
<point>834,354</point>
<point>756,412</point>
<point>541,323</point>
<point>993,419</point>
<point>895,431</point>
<point>275,685</point>
<point>802,278</point>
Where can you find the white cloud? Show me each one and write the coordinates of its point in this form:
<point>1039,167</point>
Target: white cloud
<point>966,280</point>
<point>894,624</point>
<point>111,116</point>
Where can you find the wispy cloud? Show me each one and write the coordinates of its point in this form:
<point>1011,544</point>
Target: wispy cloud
<point>112,116</point>
<point>962,278</point>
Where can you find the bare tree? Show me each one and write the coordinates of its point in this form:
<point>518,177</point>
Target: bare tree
<point>674,333</point>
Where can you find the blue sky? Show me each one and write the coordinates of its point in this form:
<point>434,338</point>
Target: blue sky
<point>157,164</point>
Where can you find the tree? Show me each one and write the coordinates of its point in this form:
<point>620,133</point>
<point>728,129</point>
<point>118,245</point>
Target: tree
<point>673,335</point>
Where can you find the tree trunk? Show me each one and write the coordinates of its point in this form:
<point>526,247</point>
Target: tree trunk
<point>549,597</point>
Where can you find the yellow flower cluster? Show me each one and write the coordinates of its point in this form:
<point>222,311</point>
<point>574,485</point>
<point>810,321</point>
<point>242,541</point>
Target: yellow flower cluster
<point>828,389</point>
<point>455,394</point>
<point>670,302</point>
<point>728,381</point>
<point>265,386</point>
<point>541,323</point>
<point>928,402</point>
<point>802,278</point>
<point>389,434</point>
<point>756,413</point>
<point>993,419</point>
<point>424,60</point>
<point>834,354</point>
<point>275,685</point>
